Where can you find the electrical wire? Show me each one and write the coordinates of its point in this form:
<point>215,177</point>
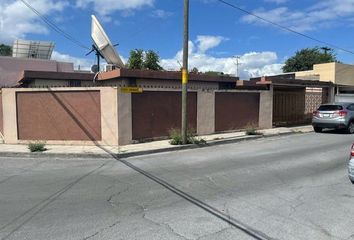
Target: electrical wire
<point>284,28</point>
<point>54,26</point>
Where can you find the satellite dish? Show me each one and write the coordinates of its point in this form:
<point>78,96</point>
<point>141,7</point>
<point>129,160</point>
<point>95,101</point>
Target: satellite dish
<point>104,45</point>
<point>94,68</point>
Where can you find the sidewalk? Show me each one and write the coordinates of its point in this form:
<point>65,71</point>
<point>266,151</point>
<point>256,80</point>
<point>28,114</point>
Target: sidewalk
<point>144,148</point>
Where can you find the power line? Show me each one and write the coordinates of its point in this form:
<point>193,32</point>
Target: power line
<point>54,26</point>
<point>284,28</point>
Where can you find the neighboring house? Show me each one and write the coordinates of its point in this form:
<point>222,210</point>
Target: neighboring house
<point>294,99</point>
<point>337,73</point>
<point>146,79</point>
<point>11,68</point>
<point>342,75</point>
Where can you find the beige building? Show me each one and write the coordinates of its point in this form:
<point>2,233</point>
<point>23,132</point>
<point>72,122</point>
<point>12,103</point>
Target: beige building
<point>338,73</point>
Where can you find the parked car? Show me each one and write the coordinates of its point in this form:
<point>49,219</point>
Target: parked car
<point>351,165</point>
<point>335,116</point>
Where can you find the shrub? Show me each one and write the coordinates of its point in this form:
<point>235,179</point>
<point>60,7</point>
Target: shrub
<point>176,138</point>
<point>37,146</point>
<point>251,130</point>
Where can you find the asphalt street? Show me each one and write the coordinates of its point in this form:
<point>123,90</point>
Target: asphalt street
<point>288,187</point>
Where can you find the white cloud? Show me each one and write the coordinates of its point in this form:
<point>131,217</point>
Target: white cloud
<point>320,15</point>
<point>277,1</point>
<point>106,7</point>
<point>159,13</point>
<point>84,63</point>
<point>207,42</point>
<point>17,20</point>
<point>252,64</point>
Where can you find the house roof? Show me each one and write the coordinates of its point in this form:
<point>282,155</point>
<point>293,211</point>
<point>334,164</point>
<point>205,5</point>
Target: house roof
<point>48,75</point>
<point>162,75</point>
<point>279,81</point>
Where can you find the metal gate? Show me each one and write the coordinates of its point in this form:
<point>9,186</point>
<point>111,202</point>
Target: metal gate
<point>288,107</point>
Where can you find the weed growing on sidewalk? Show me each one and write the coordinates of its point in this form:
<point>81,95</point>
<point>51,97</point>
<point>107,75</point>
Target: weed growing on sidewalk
<point>252,130</point>
<point>37,146</point>
<point>176,138</point>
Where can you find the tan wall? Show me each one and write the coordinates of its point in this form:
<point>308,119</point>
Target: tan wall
<point>338,73</point>
<point>326,71</point>
<point>109,116</point>
<point>206,112</point>
<point>266,109</point>
<point>344,74</point>
<point>61,115</point>
<point>9,115</point>
<point>125,128</point>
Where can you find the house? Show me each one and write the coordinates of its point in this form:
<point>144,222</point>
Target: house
<point>342,75</point>
<point>12,70</point>
<point>124,78</point>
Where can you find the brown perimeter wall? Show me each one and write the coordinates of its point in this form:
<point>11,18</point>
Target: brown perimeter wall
<point>236,110</point>
<point>154,113</point>
<point>289,107</point>
<point>59,115</point>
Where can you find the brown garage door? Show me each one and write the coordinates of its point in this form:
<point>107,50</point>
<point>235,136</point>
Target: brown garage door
<point>59,115</point>
<point>156,113</point>
<point>236,110</point>
<point>289,107</point>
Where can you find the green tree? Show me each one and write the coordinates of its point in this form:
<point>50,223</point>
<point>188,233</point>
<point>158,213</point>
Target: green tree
<point>136,59</point>
<point>5,50</point>
<point>151,61</point>
<point>304,59</point>
<point>139,59</point>
<point>195,70</point>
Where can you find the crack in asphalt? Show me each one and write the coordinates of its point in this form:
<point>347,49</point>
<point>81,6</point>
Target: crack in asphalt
<point>109,199</point>
<point>102,230</point>
<point>165,225</point>
<point>256,234</point>
<point>214,233</point>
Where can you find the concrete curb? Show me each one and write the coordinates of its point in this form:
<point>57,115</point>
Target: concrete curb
<point>144,152</point>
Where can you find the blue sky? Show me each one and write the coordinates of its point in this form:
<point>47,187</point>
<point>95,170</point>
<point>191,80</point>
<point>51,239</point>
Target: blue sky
<point>217,31</point>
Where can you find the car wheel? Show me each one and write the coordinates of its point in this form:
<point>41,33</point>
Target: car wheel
<point>352,181</point>
<point>350,128</point>
<point>317,129</point>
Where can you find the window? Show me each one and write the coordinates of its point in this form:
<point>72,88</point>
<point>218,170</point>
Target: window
<point>75,83</point>
<point>330,108</point>
<point>351,107</point>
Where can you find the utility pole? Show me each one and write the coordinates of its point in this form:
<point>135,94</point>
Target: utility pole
<point>325,49</point>
<point>237,65</point>
<point>185,71</point>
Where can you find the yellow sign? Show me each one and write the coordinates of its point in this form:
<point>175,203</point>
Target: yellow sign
<point>184,76</point>
<point>131,90</point>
